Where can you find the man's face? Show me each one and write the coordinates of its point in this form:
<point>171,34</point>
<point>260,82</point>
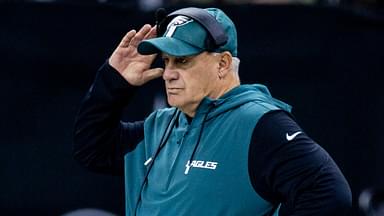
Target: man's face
<point>189,79</point>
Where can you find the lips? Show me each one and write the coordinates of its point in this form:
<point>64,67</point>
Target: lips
<point>174,90</point>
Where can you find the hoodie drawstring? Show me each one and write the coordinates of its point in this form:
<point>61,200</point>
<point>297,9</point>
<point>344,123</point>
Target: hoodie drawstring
<point>200,134</point>
<point>151,160</point>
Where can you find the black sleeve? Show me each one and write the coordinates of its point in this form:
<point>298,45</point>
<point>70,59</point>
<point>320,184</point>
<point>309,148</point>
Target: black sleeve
<point>100,138</point>
<point>287,167</point>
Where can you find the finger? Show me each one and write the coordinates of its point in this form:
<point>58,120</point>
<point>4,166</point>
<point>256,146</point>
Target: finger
<point>148,57</point>
<point>151,33</point>
<point>153,73</point>
<point>127,38</point>
<point>140,35</point>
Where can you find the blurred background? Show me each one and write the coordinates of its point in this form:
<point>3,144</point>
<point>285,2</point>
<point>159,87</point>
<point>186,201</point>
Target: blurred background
<point>324,57</point>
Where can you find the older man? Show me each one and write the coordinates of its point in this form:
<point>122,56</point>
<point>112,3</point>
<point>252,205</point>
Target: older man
<point>221,149</point>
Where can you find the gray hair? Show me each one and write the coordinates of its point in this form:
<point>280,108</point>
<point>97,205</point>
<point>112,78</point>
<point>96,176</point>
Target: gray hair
<point>235,66</point>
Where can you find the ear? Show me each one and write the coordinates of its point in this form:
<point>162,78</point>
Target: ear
<point>225,64</point>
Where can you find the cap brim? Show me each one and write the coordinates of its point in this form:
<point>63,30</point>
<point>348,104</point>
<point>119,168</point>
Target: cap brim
<point>168,45</point>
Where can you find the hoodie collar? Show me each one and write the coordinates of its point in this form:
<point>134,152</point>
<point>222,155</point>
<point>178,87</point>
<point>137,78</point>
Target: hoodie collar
<point>236,97</point>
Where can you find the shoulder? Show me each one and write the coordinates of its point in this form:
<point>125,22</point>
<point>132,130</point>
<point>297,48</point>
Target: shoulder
<point>159,117</point>
<point>286,166</point>
<point>256,109</point>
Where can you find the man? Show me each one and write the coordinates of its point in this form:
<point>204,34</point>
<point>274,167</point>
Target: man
<point>221,149</point>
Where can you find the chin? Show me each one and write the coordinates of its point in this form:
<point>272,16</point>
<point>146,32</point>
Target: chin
<point>172,101</point>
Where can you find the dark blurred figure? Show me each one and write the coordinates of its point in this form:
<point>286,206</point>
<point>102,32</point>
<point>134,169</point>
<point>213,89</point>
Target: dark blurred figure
<point>88,212</point>
<point>369,4</point>
<point>371,202</point>
<point>363,4</point>
<point>233,2</point>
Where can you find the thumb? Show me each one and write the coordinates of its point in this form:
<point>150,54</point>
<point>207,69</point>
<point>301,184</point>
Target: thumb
<point>153,74</point>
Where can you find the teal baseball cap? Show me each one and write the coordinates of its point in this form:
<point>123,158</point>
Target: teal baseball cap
<point>185,36</point>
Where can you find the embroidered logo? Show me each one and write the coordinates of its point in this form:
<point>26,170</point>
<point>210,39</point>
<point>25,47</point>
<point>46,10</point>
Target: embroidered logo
<point>200,164</point>
<point>291,137</point>
<point>176,22</point>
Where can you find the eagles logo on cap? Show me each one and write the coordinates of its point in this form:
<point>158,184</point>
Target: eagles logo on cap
<point>176,22</point>
<point>185,37</point>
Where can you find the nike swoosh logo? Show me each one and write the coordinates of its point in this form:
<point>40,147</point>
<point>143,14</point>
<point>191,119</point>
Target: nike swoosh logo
<point>291,137</point>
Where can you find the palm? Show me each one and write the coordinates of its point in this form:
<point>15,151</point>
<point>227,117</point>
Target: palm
<point>135,68</point>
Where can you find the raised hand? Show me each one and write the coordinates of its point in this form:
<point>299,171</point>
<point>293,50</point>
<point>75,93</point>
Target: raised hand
<point>135,68</point>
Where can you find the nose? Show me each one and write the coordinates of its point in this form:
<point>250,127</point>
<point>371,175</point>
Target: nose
<point>170,74</point>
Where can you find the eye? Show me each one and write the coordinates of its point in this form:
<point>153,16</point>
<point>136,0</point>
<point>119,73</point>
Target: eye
<point>181,60</point>
<point>165,60</point>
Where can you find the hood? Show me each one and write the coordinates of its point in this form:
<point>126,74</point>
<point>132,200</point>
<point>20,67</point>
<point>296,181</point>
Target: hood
<point>238,96</point>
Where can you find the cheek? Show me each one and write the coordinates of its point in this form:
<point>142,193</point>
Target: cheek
<point>198,87</point>
<point>199,81</point>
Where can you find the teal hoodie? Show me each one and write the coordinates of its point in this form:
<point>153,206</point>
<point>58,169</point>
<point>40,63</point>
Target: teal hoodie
<point>201,167</point>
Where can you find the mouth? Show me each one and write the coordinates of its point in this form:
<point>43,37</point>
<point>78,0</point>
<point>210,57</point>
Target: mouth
<point>173,90</point>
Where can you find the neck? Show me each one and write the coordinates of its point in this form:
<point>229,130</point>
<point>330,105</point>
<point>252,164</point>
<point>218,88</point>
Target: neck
<point>225,85</point>
<point>190,111</point>
<point>227,88</point>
